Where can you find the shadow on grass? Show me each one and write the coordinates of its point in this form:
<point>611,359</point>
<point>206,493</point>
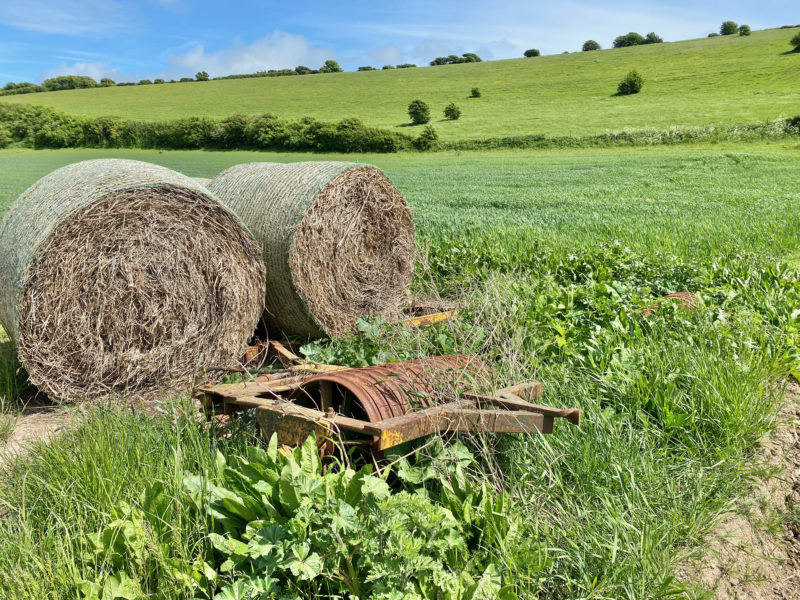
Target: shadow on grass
<point>17,396</point>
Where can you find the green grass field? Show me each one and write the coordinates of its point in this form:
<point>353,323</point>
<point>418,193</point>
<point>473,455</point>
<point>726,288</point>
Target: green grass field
<point>553,255</point>
<point>726,80</point>
<point>696,201</point>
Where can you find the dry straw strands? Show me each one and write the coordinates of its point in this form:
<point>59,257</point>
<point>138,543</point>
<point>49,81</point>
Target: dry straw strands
<point>338,241</point>
<point>118,274</point>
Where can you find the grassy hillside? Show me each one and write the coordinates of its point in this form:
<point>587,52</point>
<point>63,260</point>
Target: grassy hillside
<point>710,80</point>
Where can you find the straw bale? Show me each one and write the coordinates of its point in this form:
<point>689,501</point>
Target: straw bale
<point>338,241</point>
<point>122,275</point>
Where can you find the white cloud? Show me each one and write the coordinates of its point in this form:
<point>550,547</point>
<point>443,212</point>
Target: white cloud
<point>387,55</point>
<point>94,18</point>
<point>95,70</point>
<point>278,50</point>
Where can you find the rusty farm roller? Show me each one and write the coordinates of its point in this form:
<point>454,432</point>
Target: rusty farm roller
<point>382,406</point>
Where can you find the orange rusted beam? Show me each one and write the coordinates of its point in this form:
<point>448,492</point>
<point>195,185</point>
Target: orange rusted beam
<point>425,320</point>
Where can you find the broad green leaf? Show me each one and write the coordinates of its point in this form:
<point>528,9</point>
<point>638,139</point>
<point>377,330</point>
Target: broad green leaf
<point>374,486</point>
<point>89,589</point>
<point>344,518</point>
<point>288,488</point>
<point>157,507</point>
<point>227,546</point>
<point>220,461</point>
<point>238,590</point>
<point>121,587</point>
<point>487,587</point>
<point>309,456</point>
<point>303,563</point>
<point>272,448</point>
<point>353,493</point>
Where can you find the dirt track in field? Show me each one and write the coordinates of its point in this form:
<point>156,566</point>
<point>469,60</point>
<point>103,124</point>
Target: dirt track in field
<point>35,424</point>
<point>754,552</point>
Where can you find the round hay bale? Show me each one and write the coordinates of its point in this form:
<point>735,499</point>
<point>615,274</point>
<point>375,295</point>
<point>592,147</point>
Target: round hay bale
<point>204,181</point>
<point>122,275</point>
<point>338,241</point>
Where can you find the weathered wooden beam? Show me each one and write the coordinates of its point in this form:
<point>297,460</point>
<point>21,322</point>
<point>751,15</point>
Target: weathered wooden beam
<point>284,408</point>
<point>530,391</point>
<point>285,356</point>
<point>512,402</point>
<point>457,416</point>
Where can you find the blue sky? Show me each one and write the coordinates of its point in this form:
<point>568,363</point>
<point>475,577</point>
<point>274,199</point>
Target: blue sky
<point>131,40</point>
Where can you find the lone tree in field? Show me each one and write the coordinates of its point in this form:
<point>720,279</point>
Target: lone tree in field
<point>531,53</point>
<point>452,112</point>
<point>744,30</point>
<point>476,93</point>
<point>795,42</point>
<point>631,84</point>
<point>419,112</point>
<point>330,66</point>
<point>590,45</point>
<point>653,38</point>
<point>106,82</point>
<point>201,76</point>
<point>728,28</point>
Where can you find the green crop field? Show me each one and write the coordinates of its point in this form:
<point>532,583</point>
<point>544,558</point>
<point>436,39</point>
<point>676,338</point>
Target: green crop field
<point>689,202</point>
<point>553,255</point>
<point>724,80</point>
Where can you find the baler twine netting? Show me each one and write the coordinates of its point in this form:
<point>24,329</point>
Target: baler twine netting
<point>338,241</point>
<point>122,275</point>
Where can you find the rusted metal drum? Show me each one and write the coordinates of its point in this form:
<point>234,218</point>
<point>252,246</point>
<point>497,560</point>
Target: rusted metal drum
<point>685,300</point>
<point>392,390</point>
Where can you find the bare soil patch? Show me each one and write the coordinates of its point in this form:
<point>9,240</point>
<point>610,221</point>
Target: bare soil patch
<point>36,423</point>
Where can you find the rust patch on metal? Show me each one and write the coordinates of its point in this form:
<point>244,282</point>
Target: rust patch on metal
<point>686,300</point>
<point>393,390</point>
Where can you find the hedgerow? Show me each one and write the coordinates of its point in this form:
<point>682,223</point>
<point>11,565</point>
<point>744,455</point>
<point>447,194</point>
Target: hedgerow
<point>39,127</point>
<point>44,128</point>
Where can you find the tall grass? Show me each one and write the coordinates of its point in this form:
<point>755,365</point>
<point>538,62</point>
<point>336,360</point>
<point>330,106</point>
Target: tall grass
<point>61,491</point>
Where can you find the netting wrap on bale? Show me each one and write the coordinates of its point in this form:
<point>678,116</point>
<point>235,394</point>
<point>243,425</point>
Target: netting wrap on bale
<point>122,275</point>
<point>338,241</point>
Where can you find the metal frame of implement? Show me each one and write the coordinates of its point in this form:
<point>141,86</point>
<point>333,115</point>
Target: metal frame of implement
<point>507,410</point>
